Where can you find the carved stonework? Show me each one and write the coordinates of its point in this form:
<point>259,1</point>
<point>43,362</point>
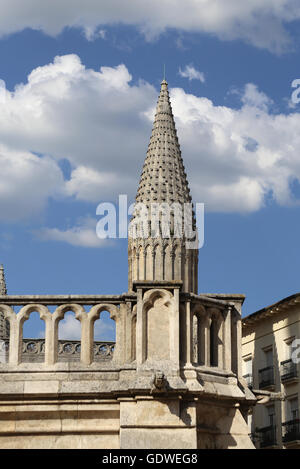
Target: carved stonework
<point>163,181</point>
<point>4,325</point>
<point>171,379</point>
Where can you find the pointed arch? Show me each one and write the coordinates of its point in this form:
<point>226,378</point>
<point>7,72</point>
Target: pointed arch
<point>149,262</point>
<point>158,262</point>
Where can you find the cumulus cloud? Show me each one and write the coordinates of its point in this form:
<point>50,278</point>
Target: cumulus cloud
<point>245,154</point>
<point>26,183</point>
<point>92,119</point>
<point>101,123</point>
<point>92,185</point>
<point>191,73</point>
<point>261,23</point>
<point>83,234</point>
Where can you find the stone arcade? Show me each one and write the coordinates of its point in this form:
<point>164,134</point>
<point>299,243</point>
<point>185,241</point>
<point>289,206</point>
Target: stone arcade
<point>173,377</point>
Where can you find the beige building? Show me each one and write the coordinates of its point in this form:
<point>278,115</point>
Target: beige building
<point>270,352</point>
<point>172,379</point>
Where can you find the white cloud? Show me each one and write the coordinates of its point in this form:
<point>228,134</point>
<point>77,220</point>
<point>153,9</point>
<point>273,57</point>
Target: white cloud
<point>64,110</point>
<point>254,98</point>
<point>92,33</point>
<point>82,234</point>
<point>70,328</point>
<point>92,185</point>
<point>261,23</point>
<point>101,123</point>
<point>191,73</point>
<point>26,183</point>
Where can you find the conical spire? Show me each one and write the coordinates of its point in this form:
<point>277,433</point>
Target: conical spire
<point>156,257</point>
<point>163,177</point>
<point>3,290</point>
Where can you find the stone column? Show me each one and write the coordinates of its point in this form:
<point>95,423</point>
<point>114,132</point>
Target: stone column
<point>49,342</point>
<point>174,332</point>
<point>220,340</point>
<point>227,340</point>
<point>202,335</point>
<point>15,341</point>
<point>207,324</point>
<point>119,318</point>
<point>140,330</point>
<point>189,333</point>
<point>87,339</point>
<point>239,346</point>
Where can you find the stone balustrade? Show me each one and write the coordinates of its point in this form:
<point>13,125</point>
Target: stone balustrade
<point>205,336</point>
<point>52,350</point>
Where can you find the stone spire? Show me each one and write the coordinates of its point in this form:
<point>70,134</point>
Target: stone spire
<point>163,180</point>
<point>4,324</point>
<point>163,177</point>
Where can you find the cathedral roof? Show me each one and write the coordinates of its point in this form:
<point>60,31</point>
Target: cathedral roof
<point>163,176</point>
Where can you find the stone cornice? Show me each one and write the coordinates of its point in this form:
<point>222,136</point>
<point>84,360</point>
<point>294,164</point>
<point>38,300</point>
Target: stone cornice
<point>268,311</point>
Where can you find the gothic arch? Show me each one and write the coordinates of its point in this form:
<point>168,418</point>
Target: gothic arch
<point>157,308</point>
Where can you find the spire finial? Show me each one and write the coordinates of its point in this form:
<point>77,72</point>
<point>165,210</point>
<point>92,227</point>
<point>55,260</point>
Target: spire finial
<point>3,290</point>
<point>164,82</point>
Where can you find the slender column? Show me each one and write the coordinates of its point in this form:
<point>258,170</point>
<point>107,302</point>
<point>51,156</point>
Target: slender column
<point>227,340</point>
<point>220,340</point>
<point>153,263</point>
<point>119,352</point>
<point>128,334</point>
<point>186,272</point>
<point>202,333</point>
<point>15,342</point>
<point>87,340</point>
<point>175,351</point>
<point>207,324</point>
<point>189,333</point>
<point>239,346</point>
<point>140,330</point>
<point>145,263</point>
<point>173,263</point>
<point>49,342</point>
<point>138,264</point>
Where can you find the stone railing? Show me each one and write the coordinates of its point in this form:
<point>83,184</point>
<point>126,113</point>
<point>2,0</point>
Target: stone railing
<point>33,350</point>
<point>156,326</point>
<point>68,350</point>
<point>87,309</point>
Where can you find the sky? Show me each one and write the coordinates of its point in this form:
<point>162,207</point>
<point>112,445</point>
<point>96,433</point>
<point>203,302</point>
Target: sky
<point>79,83</point>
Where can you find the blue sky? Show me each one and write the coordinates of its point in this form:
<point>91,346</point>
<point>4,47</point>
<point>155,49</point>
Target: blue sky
<point>77,95</point>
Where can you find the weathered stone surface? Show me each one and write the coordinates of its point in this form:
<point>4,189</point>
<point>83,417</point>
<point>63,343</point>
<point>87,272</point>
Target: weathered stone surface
<point>173,377</point>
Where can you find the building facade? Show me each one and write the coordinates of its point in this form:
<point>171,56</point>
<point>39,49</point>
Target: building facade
<point>172,379</point>
<point>270,356</point>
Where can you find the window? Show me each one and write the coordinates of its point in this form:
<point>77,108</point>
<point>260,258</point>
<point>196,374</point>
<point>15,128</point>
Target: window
<point>248,366</point>
<point>293,408</point>
<point>289,348</point>
<point>247,370</point>
<point>269,357</point>
<point>271,415</point>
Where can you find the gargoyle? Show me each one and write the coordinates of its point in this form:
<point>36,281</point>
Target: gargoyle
<point>158,382</point>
